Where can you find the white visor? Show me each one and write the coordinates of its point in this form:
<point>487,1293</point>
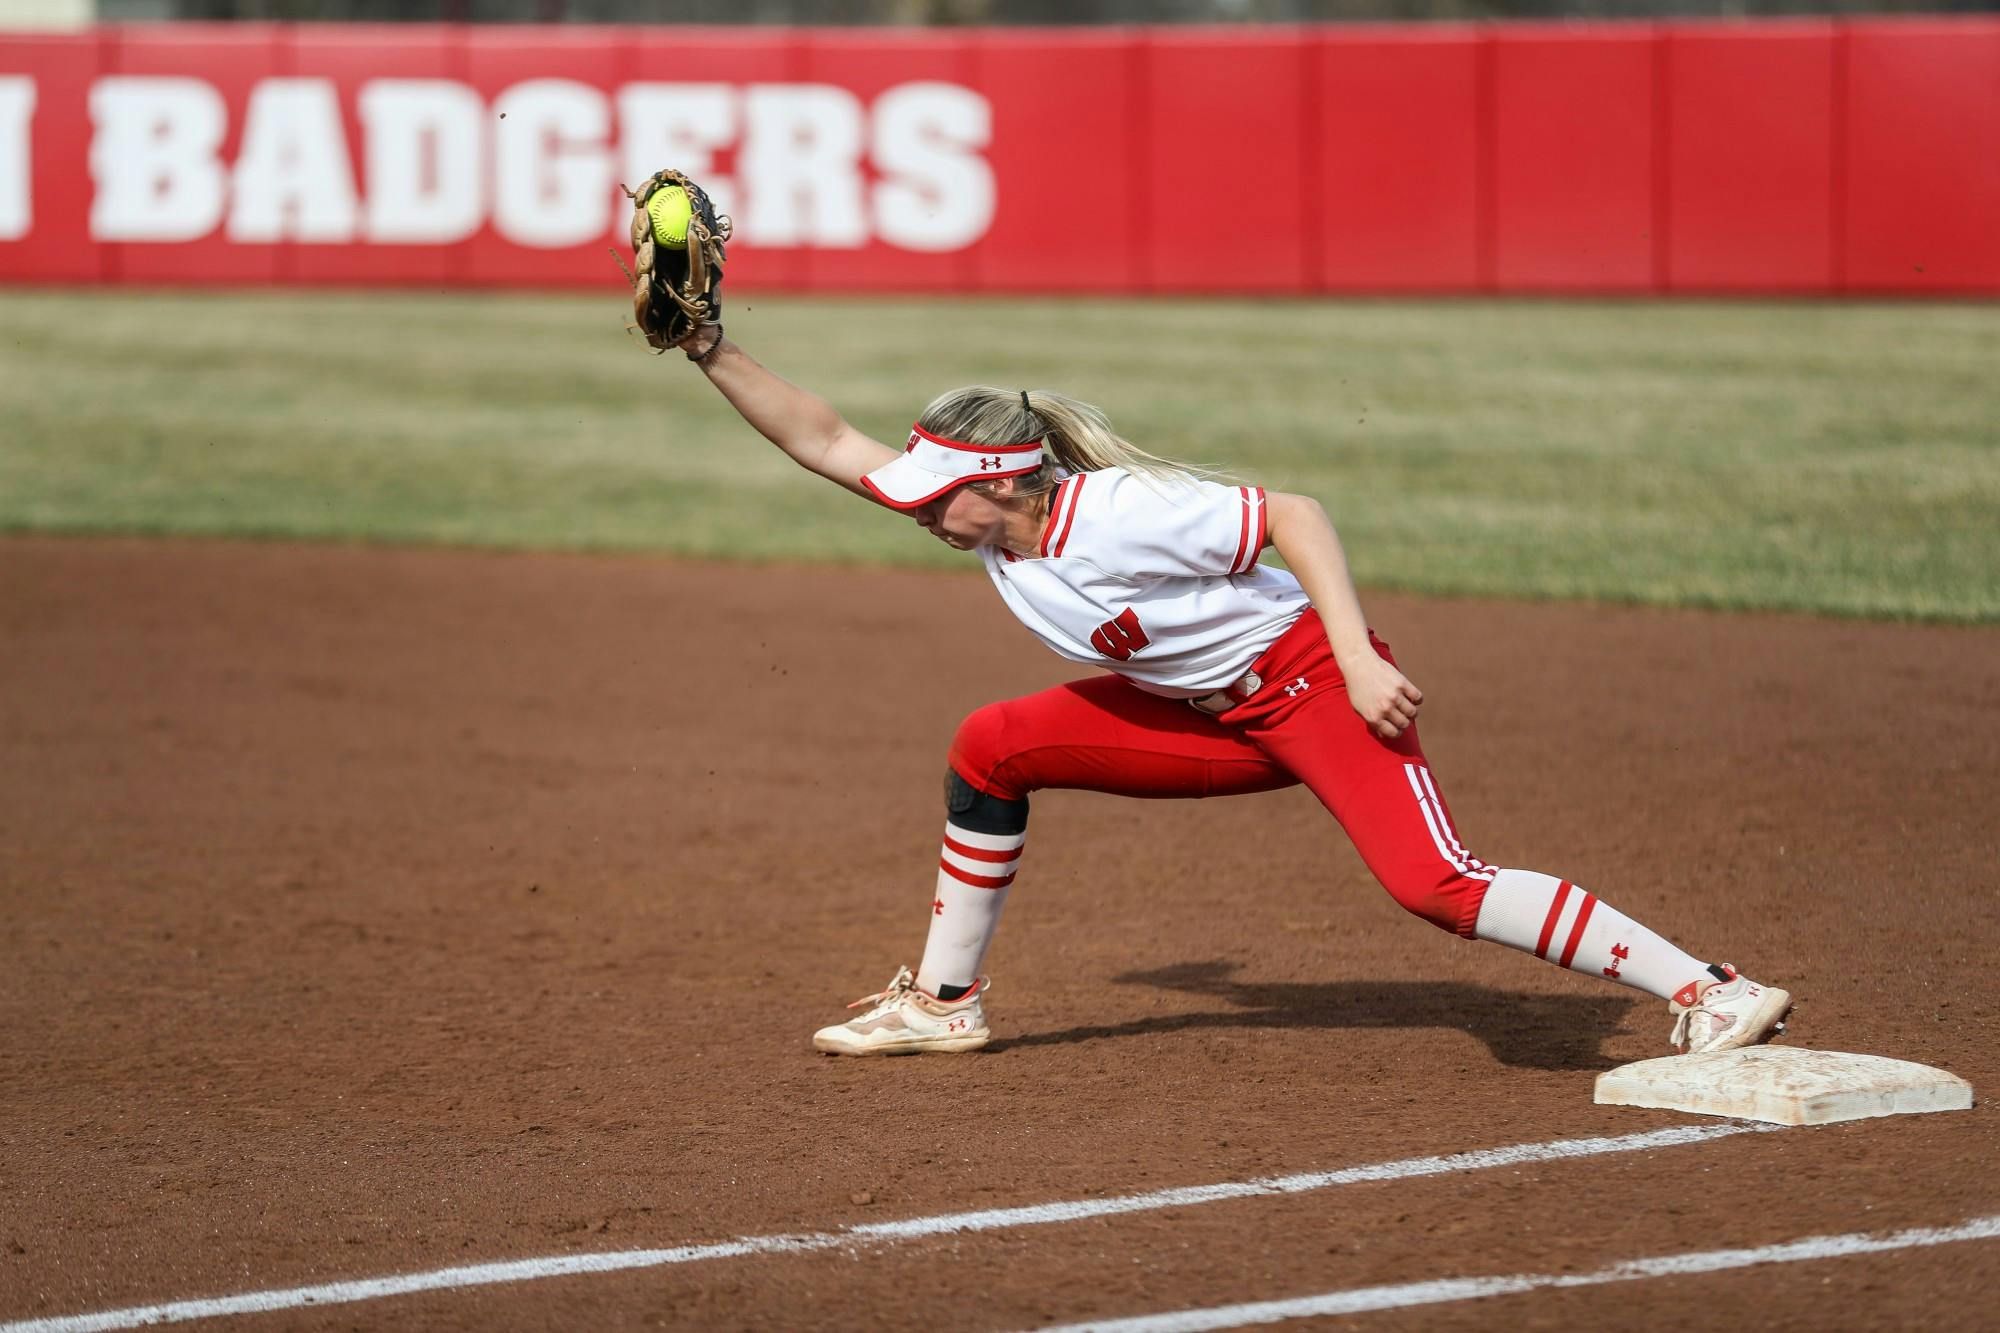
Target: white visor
<point>931,465</point>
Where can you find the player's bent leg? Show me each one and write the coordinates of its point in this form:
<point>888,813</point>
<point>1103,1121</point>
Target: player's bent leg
<point>1101,734</point>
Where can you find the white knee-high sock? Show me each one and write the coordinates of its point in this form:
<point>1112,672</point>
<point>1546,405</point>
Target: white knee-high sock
<point>1570,927</point>
<point>974,872</point>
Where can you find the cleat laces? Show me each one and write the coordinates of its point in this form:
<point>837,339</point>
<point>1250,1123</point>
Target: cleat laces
<point>899,985</point>
<point>1682,1024</point>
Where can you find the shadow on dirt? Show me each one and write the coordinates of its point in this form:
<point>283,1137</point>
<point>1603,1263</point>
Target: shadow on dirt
<point>1523,1030</point>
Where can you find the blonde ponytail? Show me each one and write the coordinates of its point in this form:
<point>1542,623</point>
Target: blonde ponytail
<point>1076,436</point>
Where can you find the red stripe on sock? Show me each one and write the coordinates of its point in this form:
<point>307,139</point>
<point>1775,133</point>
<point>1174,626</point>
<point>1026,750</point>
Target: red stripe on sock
<point>1576,931</point>
<point>976,881</point>
<point>980,853</point>
<point>1555,915</point>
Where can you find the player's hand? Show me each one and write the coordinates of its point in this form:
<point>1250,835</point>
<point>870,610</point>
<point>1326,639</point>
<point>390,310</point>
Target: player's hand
<point>1384,696</point>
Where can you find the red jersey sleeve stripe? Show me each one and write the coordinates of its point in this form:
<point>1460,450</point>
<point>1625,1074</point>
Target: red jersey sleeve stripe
<point>1075,485</point>
<point>1263,507</point>
<point>971,853</point>
<point>976,881</point>
<point>1056,507</point>
<point>1243,532</point>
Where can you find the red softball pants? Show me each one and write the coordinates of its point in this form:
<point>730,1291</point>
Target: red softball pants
<point>1105,734</point>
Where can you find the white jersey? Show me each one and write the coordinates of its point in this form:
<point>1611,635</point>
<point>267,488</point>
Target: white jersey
<point>1158,582</point>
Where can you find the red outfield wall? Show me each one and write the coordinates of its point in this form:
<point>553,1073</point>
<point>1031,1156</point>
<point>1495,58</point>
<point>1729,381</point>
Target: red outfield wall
<point>1789,157</point>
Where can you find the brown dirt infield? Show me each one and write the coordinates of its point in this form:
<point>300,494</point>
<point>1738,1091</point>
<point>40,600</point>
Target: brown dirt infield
<point>374,911</point>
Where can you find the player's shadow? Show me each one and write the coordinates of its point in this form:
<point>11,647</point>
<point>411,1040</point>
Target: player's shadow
<point>1524,1030</point>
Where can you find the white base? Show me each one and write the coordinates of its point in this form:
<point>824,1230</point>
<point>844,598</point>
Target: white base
<point>1784,1085</point>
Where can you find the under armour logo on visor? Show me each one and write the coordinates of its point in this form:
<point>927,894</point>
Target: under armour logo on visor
<point>989,464</point>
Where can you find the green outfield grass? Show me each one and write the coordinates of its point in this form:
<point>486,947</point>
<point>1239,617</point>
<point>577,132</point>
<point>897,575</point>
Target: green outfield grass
<point>1832,458</point>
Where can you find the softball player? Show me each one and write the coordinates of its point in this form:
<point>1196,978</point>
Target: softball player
<point>1225,676</point>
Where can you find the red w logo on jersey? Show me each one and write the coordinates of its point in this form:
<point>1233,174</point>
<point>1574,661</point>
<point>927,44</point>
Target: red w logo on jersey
<point>1119,639</point>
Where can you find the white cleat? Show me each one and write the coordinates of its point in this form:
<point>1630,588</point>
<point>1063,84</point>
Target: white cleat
<point>903,1020</point>
<point>1723,1015</point>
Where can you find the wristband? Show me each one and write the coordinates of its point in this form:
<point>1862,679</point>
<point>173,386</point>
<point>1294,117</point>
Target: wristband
<point>708,355</point>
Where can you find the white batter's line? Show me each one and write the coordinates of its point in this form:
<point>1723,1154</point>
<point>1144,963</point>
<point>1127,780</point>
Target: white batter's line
<point>910,1228</point>
<point>1364,1299</point>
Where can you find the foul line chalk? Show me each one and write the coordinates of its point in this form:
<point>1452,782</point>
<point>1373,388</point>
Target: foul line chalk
<point>1036,1214</point>
<point>1364,1299</point>
<point>994,1219</point>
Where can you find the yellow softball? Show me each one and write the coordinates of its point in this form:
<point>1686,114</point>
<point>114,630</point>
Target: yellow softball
<point>670,212</point>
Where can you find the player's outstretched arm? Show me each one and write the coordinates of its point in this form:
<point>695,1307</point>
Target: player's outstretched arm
<point>1304,535</point>
<point>801,423</point>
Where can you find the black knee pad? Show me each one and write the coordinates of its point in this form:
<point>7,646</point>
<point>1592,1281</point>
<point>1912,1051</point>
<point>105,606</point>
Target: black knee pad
<point>976,812</point>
